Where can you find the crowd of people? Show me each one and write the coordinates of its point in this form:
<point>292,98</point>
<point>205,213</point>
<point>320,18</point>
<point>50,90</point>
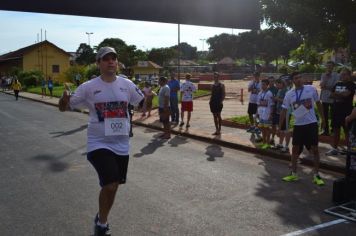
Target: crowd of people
<point>275,104</point>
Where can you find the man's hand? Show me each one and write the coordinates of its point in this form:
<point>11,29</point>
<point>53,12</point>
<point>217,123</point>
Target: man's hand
<point>64,100</point>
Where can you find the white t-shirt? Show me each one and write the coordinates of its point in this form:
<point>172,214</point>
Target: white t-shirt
<point>106,100</point>
<point>187,89</point>
<point>306,96</point>
<point>265,104</point>
<point>254,95</point>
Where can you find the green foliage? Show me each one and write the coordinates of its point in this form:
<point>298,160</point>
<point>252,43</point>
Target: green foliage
<point>91,70</point>
<point>306,53</point>
<point>73,71</point>
<point>319,22</point>
<point>161,56</point>
<point>307,68</point>
<point>86,54</point>
<point>187,52</point>
<point>30,78</point>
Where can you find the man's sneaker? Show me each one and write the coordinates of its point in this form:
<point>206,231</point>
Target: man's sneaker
<point>291,178</point>
<point>279,146</point>
<point>318,180</point>
<point>251,129</point>
<point>98,230</point>
<point>332,152</point>
<point>181,124</point>
<point>102,231</point>
<point>257,131</point>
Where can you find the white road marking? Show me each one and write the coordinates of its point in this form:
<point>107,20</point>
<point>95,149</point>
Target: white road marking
<point>324,225</point>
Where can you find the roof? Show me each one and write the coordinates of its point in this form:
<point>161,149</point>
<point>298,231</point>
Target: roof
<point>147,64</point>
<point>226,61</point>
<point>20,52</point>
<point>182,62</point>
<point>237,14</point>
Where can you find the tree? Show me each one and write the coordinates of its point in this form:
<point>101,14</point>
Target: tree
<point>319,22</point>
<point>127,53</point>
<point>187,51</point>
<point>161,56</point>
<point>223,45</point>
<point>86,54</point>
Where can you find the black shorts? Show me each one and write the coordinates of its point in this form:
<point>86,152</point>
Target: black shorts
<point>215,107</point>
<point>252,108</point>
<point>110,167</point>
<point>338,120</point>
<point>275,119</point>
<point>307,135</point>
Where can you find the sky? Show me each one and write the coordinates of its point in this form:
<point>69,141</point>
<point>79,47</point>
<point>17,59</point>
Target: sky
<point>21,29</point>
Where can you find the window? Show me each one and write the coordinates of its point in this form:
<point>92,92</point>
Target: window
<point>55,68</point>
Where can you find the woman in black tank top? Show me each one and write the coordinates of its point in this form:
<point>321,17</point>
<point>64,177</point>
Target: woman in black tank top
<point>216,102</point>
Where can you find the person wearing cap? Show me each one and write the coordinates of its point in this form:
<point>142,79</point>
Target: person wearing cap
<point>107,97</point>
<point>254,87</point>
<point>327,82</point>
<point>164,107</point>
<point>186,90</point>
<point>301,99</point>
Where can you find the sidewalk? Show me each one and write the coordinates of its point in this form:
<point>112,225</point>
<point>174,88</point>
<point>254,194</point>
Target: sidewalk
<point>202,127</point>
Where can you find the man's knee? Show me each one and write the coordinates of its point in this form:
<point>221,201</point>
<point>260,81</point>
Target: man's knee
<point>111,187</point>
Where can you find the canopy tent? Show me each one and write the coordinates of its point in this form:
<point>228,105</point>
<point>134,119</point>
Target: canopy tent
<point>238,14</point>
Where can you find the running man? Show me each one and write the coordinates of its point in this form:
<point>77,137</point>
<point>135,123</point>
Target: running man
<point>107,97</point>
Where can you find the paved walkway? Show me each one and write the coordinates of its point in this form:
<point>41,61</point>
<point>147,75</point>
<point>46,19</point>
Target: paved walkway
<point>202,127</point>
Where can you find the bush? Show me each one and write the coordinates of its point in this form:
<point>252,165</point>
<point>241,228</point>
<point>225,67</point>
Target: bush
<point>30,78</point>
<point>307,68</point>
<point>92,70</point>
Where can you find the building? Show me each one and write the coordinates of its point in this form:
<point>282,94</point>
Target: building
<point>44,56</point>
<point>145,70</point>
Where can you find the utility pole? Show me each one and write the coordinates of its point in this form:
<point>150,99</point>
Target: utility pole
<point>89,33</point>
<point>203,41</point>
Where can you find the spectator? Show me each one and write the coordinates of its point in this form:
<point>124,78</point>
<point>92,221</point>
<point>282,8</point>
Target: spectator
<point>264,112</point>
<point>275,122</point>
<point>186,90</point>
<point>50,86</point>
<point>305,132</point>
<point>149,94</point>
<point>327,83</point>
<point>343,94</point>
<point>254,88</point>
<point>174,87</point>
<point>164,107</point>
<point>216,102</point>
<point>43,87</point>
<point>284,133</point>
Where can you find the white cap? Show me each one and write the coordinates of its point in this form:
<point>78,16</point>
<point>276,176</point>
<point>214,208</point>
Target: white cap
<point>103,51</point>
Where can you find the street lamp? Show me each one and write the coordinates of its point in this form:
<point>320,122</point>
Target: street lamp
<point>89,37</point>
<point>203,40</point>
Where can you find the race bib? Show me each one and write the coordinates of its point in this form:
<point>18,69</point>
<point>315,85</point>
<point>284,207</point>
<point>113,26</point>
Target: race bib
<point>116,126</point>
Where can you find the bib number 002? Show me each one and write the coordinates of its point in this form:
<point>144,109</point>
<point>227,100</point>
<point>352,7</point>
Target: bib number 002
<point>116,126</point>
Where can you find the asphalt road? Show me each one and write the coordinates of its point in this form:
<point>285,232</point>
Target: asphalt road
<point>175,187</point>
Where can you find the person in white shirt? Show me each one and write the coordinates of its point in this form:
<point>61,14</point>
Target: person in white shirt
<point>107,97</point>
<point>186,91</point>
<point>254,87</point>
<point>305,132</point>
<point>264,112</point>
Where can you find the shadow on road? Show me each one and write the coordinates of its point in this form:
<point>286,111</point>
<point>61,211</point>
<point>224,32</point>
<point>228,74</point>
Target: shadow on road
<point>70,132</point>
<point>54,164</point>
<point>177,140</point>
<point>300,203</point>
<point>151,147</point>
<point>213,151</point>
